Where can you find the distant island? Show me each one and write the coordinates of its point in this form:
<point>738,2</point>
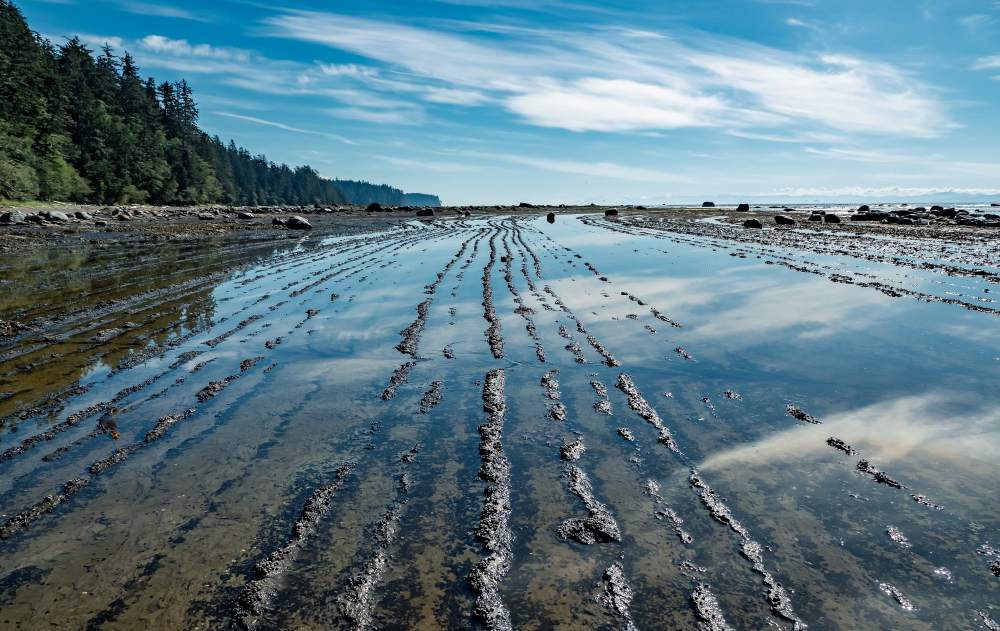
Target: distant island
<point>85,128</point>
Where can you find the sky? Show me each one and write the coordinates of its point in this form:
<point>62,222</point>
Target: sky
<point>565,102</point>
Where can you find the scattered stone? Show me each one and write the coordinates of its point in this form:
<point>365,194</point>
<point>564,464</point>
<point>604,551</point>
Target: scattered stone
<point>752,223</point>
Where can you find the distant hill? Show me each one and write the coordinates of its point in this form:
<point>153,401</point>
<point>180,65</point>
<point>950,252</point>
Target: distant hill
<point>361,192</point>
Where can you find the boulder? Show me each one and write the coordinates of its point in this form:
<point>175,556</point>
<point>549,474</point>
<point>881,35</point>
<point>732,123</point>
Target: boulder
<point>202,216</point>
<point>57,216</point>
<point>831,218</point>
<point>752,223</point>
<point>100,222</point>
<point>551,217</point>
<point>525,205</point>
<point>14,216</point>
<point>374,207</point>
<point>298,223</point>
<point>708,204</point>
<point>244,215</point>
<point>784,220</point>
<point>906,221</point>
<point>937,207</point>
<point>277,221</point>
<point>425,212</point>
<point>125,217</point>
<point>743,208</point>
<point>611,212</point>
<point>468,214</point>
<point>82,215</point>
<point>863,208</point>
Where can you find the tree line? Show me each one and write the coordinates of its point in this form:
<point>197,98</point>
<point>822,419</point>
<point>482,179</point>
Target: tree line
<point>85,127</point>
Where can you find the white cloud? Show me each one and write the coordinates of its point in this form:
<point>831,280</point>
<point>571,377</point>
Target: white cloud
<point>973,21</point>
<point>349,70</point>
<point>385,117</point>
<point>602,80</point>
<point>886,191</point>
<point>181,48</point>
<point>987,62</point>
<point>441,167</point>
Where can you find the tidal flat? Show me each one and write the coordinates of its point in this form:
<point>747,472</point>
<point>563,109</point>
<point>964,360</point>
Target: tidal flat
<point>657,419</point>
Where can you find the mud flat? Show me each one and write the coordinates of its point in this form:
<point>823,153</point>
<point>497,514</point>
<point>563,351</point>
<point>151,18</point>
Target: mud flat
<point>408,422</point>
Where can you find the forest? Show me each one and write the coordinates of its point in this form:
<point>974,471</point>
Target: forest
<point>83,126</point>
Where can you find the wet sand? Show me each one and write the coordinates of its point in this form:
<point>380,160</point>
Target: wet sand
<point>658,419</point>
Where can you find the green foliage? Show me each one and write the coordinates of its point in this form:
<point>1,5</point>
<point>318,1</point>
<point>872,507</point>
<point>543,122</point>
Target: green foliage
<point>84,127</point>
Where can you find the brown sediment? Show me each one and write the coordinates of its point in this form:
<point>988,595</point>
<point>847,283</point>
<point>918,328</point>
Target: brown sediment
<point>239,327</point>
<point>399,376</point>
<point>247,364</point>
<point>898,595</point>
<point>922,499</point>
<point>253,602</point>
<point>557,411</point>
<point>214,387</point>
<point>799,415</point>
<point>781,604</point>
<point>601,526</point>
<point>571,452</point>
<point>609,359</point>
<point>184,358</point>
<point>493,531</point>
<point>651,488</point>
<point>708,610</point>
<point>639,404</point>
<point>618,595</point>
<point>896,535</point>
<point>431,398</point>
<point>574,347</point>
<point>864,467</point>
<point>493,336</point>
<point>836,443</point>
<point>411,334</point>
<point>357,602</point>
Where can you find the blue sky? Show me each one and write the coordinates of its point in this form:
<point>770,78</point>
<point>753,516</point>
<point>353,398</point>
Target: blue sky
<point>649,102</point>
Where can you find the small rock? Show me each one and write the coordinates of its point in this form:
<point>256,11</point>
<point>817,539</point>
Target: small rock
<point>298,223</point>
<point>244,215</point>
<point>831,218</point>
<point>203,216</point>
<point>743,208</point>
<point>277,221</point>
<point>551,217</point>
<point>863,208</point>
<point>708,204</point>
<point>82,215</point>
<point>374,207</point>
<point>752,223</point>
<point>611,213</point>
<point>784,220</point>
<point>425,212</point>
<point>100,223</point>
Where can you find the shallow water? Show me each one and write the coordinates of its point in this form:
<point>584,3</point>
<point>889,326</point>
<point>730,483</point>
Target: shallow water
<point>724,505</point>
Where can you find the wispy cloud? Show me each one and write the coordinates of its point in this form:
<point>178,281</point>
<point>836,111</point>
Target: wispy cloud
<point>795,22</point>
<point>384,117</point>
<point>285,127</point>
<point>574,80</point>
<point>144,8</point>
<point>977,20</point>
<point>428,165</point>
<point>886,191</point>
<point>596,169</point>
